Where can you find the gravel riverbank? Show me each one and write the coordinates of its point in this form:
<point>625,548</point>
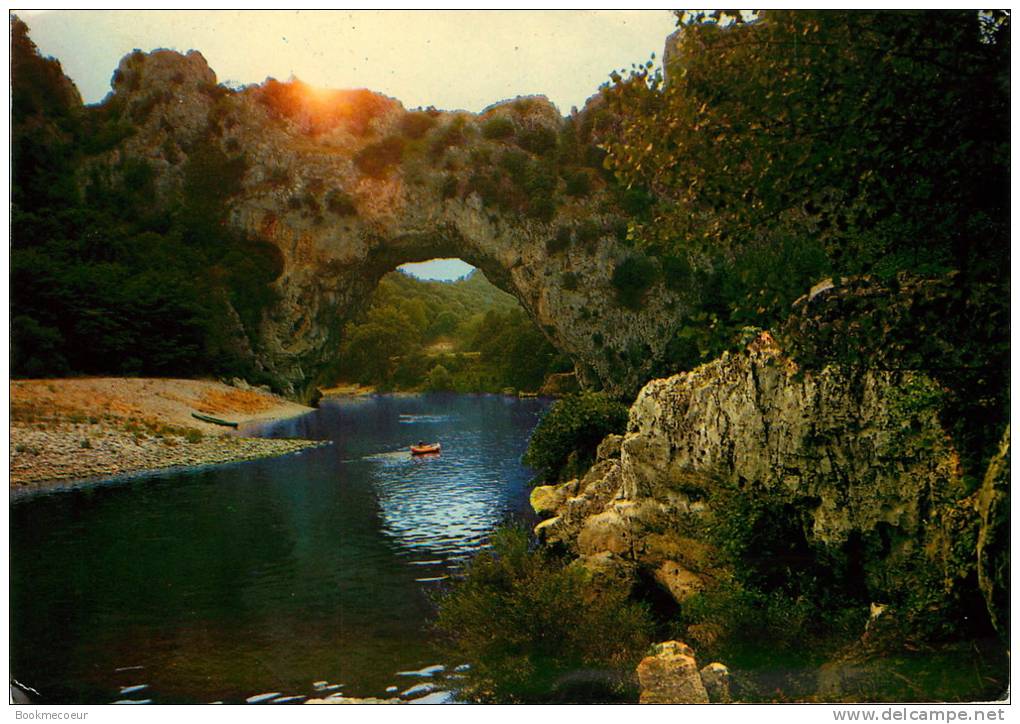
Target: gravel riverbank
<point>76,429</point>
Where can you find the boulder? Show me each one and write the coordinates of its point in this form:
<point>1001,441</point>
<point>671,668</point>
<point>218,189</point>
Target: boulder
<point>680,582</point>
<point>545,499</point>
<point>716,678</point>
<point>670,676</point>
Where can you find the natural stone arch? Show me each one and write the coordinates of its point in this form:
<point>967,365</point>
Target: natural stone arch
<point>347,185</point>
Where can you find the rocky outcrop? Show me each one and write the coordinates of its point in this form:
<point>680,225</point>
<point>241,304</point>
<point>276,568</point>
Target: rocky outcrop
<point>670,676</point>
<point>348,185</point>
<point>852,459</point>
<point>716,678</point>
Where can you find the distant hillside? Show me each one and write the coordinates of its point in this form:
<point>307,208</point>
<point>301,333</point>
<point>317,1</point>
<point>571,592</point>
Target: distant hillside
<point>470,294</point>
<point>464,335</point>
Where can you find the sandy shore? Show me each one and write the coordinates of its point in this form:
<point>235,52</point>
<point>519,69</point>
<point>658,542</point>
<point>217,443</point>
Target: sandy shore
<point>71,429</point>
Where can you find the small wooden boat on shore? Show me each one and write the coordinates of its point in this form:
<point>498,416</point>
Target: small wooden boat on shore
<point>424,449</point>
<point>213,420</point>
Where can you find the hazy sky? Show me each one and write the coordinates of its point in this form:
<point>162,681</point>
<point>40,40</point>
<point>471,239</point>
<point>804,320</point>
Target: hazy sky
<point>448,59</point>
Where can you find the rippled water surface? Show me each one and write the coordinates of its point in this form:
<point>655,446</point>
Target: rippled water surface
<point>270,576</point>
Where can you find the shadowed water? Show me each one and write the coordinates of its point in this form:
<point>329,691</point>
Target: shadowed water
<point>269,576</point>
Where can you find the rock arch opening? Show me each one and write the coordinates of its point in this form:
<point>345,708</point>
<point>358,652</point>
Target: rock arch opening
<point>350,185</point>
<point>441,325</point>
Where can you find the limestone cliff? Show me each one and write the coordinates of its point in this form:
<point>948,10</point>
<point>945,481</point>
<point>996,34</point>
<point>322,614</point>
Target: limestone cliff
<point>348,185</point>
<point>854,458</point>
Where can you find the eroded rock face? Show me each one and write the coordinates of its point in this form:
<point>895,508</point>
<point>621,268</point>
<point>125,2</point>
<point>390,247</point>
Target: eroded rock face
<point>348,185</point>
<point>855,457</point>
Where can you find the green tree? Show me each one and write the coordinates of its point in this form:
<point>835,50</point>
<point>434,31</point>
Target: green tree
<point>786,146</point>
<point>884,134</point>
<point>106,281</point>
<point>439,379</point>
<point>528,623</point>
<point>565,440</point>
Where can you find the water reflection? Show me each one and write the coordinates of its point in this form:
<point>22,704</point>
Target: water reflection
<point>228,582</point>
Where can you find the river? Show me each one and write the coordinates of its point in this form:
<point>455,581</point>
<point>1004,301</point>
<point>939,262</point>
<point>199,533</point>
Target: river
<point>304,575</point>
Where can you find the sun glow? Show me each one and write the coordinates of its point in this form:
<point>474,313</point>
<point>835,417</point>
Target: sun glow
<point>319,110</point>
<point>319,98</point>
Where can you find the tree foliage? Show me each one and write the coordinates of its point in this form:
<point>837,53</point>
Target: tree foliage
<point>882,133</point>
<point>463,336</point>
<point>104,281</point>
<point>785,146</point>
<point>529,624</point>
<point>567,436</point>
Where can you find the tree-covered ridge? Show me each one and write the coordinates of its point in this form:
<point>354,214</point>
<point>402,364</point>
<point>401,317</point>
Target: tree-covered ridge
<point>103,280</point>
<point>465,336</point>
<point>786,146</point>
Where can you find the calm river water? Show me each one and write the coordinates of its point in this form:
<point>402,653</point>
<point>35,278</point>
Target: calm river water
<point>291,575</point>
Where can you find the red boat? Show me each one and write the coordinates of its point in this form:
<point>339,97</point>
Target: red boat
<point>423,449</point>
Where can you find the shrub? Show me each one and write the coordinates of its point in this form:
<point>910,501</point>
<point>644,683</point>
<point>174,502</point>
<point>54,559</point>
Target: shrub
<point>542,208</point>
<point>376,159</point>
<point>570,281</point>
<point>139,177</point>
<point>619,228</point>
<point>142,108</point>
<point>676,272</point>
<point>561,241</point>
<point>486,183</point>
<point>579,181</point>
<point>416,124</point>
<point>449,135</point>
<point>588,231</point>
<point>497,127</point>
<point>632,278</point>
<point>528,623</point>
<point>769,630</point>
<point>636,201</point>
<point>450,187</point>
<point>575,424</point>
<point>439,379</point>
<point>516,164</point>
<point>108,134</point>
<point>786,600</point>
<point>283,99</point>
<point>538,141</point>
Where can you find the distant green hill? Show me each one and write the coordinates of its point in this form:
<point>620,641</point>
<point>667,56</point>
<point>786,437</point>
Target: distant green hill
<point>462,297</point>
<point>466,335</point>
